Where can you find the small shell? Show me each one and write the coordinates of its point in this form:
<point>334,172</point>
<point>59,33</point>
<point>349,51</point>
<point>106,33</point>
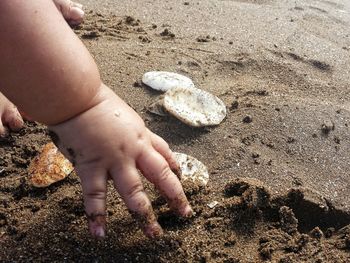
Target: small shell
<point>192,169</point>
<point>213,204</point>
<point>194,107</point>
<point>164,81</point>
<point>48,167</point>
<point>157,108</point>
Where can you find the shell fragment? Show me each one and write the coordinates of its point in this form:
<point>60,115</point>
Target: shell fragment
<point>195,107</point>
<point>192,169</point>
<point>164,81</point>
<point>48,167</point>
<point>157,108</point>
<point>213,204</point>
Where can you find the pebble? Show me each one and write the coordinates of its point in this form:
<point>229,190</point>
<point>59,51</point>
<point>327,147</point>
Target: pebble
<point>213,204</point>
<point>247,119</point>
<point>327,127</point>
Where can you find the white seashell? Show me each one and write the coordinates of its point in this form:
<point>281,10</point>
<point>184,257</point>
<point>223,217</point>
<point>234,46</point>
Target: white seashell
<point>192,169</point>
<point>194,107</point>
<point>163,81</point>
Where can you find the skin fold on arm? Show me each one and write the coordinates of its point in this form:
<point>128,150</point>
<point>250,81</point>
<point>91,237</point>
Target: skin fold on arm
<point>48,73</point>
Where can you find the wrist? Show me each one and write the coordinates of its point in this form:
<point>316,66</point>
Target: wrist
<point>73,108</point>
<point>103,94</point>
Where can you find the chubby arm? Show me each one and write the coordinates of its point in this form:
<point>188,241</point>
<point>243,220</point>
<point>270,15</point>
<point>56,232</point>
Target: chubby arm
<point>48,73</point>
<point>44,63</point>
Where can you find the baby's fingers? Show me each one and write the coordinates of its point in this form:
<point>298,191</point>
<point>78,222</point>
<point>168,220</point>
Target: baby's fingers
<point>71,11</point>
<point>3,130</point>
<point>94,185</point>
<point>162,147</point>
<point>157,170</point>
<point>128,184</point>
<point>13,119</point>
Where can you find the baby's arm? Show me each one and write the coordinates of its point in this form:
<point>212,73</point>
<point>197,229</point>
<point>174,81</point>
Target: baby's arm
<point>44,63</point>
<point>10,119</point>
<point>48,73</point>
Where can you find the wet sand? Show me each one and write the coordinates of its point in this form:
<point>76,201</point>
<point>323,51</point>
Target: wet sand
<point>281,180</point>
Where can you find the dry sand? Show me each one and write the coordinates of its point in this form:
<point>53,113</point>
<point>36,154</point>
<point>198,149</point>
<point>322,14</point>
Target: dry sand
<point>282,69</point>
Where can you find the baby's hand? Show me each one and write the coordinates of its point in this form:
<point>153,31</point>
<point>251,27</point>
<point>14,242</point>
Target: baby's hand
<point>71,11</point>
<point>9,116</point>
<point>111,141</point>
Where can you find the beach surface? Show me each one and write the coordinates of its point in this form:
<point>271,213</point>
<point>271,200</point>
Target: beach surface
<point>279,163</point>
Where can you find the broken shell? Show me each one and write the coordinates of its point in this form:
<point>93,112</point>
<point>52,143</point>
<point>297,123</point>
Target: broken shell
<point>194,107</point>
<point>192,169</point>
<point>49,166</point>
<point>164,81</point>
<point>157,108</point>
<point>213,204</point>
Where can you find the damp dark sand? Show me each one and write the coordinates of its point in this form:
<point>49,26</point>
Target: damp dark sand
<point>281,179</point>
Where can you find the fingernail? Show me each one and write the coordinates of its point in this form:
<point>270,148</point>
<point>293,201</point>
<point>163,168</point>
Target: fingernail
<point>97,225</point>
<point>4,133</point>
<point>187,212</point>
<point>99,232</point>
<point>153,230</point>
<point>80,13</point>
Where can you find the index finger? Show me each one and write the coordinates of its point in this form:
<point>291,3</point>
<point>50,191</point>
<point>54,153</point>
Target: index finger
<point>156,169</point>
<point>162,147</point>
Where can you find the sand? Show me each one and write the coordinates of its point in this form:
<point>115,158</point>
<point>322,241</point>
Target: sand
<point>278,163</point>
